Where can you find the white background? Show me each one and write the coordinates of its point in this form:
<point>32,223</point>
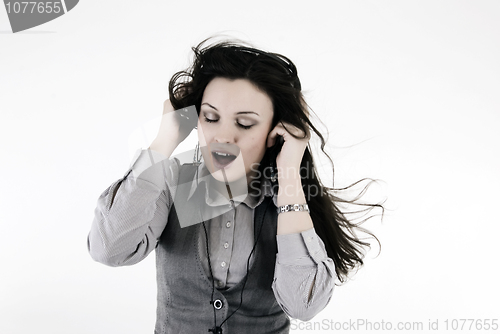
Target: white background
<point>409,91</point>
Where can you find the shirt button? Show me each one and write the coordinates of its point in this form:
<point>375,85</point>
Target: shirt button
<point>226,245</point>
<point>223,264</point>
<point>218,304</point>
<point>228,224</point>
<point>220,284</point>
<point>310,239</point>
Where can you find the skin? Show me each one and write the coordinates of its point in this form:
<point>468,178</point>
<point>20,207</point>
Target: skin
<point>230,97</point>
<point>231,104</point>
<point>223,102</point>
<point>228,107</point>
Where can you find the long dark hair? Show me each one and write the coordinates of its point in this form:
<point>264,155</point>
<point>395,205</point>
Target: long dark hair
<point>277,76</point>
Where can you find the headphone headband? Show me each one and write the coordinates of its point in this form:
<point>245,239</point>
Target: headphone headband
<point>282,60</point>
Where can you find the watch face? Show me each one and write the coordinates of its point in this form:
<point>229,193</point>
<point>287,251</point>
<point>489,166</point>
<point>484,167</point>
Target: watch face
<point>293,207</point>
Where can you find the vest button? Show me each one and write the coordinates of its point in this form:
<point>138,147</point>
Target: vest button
<point>218,304</point>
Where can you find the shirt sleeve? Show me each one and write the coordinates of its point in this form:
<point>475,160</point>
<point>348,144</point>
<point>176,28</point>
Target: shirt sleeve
<point>132,213</point>
<point>304,275</point>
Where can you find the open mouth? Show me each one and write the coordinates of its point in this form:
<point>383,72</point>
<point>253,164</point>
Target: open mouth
<point>222,159</point>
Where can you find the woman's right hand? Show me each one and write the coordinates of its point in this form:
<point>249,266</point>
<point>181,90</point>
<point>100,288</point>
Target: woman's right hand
<point>175,126</point>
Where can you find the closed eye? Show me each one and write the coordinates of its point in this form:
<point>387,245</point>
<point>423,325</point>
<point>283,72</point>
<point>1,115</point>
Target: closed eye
<point>246,127</point>
<point>210,120</point>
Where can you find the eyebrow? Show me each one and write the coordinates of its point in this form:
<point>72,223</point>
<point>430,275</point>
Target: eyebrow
<point>238,113</point>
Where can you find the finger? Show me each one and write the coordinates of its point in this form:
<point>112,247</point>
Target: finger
<point>296,131</point>
<point>277,131</point>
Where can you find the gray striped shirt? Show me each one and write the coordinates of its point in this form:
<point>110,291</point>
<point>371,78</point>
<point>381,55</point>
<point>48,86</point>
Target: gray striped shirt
<point>132,213</point>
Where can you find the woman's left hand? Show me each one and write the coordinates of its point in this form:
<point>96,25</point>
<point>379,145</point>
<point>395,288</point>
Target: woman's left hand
<point>293,148</point>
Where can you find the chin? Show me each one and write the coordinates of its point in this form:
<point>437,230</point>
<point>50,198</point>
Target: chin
<point>232,174</point>
<point>234,170</point>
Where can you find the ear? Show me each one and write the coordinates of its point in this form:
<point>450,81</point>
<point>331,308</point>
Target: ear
<point>271,139</point>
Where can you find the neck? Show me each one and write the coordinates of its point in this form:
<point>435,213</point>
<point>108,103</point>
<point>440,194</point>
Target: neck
<point>241,186</point>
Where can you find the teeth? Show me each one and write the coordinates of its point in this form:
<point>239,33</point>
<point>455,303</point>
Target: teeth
<point>222,154</point>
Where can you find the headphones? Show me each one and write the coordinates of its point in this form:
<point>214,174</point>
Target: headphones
<point>283,61</point>
<point>289,68</point>
<point>217,304</point>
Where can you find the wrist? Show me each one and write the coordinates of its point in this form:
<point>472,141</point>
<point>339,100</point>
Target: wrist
<point>163,146</point>
<point>293,208</point>
<point>288,175</point>
<point>290,192</point>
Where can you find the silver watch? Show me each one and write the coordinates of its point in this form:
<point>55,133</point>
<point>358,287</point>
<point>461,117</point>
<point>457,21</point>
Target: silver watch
<point>293,207</point>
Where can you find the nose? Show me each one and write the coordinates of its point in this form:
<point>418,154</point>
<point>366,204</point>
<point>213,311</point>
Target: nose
<point>224,134</point>
<point>220,138</point>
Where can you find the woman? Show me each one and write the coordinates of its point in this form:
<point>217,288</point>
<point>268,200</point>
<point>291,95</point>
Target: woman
<point>249,237</point>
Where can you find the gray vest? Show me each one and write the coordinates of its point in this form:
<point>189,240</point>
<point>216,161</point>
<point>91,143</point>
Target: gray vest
<point>185,289</point>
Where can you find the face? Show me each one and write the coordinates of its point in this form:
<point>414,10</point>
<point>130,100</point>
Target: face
<point>235,120</point>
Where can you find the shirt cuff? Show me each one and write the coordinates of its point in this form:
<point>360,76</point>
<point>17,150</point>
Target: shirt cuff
<point>303,248</point>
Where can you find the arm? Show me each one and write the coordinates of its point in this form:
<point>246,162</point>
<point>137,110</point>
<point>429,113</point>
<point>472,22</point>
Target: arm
<point>304,275</point>
<point>132,213</point>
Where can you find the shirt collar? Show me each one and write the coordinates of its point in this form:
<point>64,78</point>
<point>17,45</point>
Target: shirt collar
<point>215,198</point>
